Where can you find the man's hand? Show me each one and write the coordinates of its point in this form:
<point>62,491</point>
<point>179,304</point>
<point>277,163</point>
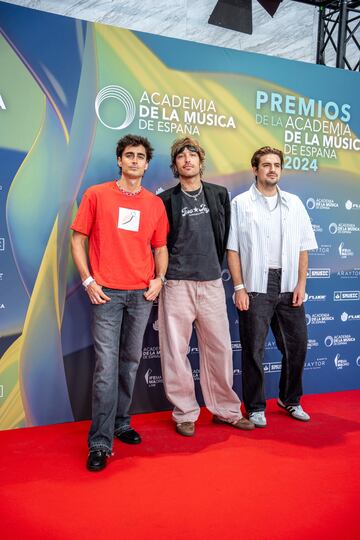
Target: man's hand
<point>154,289</point>
<point>96,294</point>
<point>298,295</point>
<point>242,300</point>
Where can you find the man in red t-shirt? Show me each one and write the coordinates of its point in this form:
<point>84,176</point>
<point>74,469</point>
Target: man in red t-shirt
<point>121,222</point>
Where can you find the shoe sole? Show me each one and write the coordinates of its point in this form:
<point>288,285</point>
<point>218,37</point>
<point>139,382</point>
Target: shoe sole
<point>217,420</point>
<point>91,469</point>
<point>129,442</point>
<point>185,434</point>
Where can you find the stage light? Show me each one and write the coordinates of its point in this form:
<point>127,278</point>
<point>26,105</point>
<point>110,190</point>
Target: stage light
<point>237,14</point>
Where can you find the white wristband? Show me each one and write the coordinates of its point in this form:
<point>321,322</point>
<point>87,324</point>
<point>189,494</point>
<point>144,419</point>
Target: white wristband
<point>239,287</point>
<point>87,281</point>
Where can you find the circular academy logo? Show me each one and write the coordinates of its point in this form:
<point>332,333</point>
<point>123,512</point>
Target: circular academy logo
<point>348,205</point>
<point>329,340</point>
<point>225,275</point>
<point>124,102</point>
<point>308,319</point>
<point>358,361</point>
<point>310,203</point>
<point>333,228</point>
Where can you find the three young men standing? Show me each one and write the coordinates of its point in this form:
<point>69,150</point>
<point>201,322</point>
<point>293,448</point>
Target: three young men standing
<point>267,257</point>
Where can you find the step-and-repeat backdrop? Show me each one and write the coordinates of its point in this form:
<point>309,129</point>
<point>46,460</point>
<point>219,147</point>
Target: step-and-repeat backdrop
<point>69,90</point>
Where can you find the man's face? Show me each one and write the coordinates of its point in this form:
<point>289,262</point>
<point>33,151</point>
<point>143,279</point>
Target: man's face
<point>269,170</point>
<point>188,163</point>
<point>133,162</point>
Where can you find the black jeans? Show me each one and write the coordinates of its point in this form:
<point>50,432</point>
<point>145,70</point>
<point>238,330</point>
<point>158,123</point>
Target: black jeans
<point>289,328</point>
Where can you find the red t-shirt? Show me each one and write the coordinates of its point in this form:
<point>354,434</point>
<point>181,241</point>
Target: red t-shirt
<point>121,230</point>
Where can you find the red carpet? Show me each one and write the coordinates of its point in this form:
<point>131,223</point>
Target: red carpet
<point>291,480</point>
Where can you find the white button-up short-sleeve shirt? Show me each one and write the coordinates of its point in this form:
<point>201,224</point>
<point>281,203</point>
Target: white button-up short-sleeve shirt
<point>250,237</point>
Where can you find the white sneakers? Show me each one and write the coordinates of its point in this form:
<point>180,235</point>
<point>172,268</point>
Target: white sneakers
<point>258,418</point>
<point>296,411</point>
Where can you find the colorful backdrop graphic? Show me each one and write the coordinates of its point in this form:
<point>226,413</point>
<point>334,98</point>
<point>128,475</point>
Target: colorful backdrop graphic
<point>69,90</point>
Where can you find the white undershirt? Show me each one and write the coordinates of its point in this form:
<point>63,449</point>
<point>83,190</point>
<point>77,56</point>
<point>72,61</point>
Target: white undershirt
<point>274,206</point>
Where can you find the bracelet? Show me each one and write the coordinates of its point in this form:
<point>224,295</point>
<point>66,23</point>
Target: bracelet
<point>239,287</point>
<point>162,277</point>
<point>87,281</point>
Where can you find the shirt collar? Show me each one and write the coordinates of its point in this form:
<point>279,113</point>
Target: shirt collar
<point>255,194</point>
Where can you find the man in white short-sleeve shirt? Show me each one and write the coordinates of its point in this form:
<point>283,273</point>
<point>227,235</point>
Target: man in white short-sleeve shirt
<point>269,239</point>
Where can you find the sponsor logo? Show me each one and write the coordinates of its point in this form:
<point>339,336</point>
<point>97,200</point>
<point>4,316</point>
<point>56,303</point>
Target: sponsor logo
<point>151,352</point>
<point>316,228</point>
<point>312,343</point>
<point>1,276</point>
<point>318,363</point>
<point>270,345</point>
<point>345,252</point>
<point>341,339</point>
<point>349,274</point>
<point>236,345</point>
<point>314,297</point>
<point>2,104</point>
<point>225,275</point>
<point>196,374</point>
<point>340,363</point>
<point>321,204</point>
<point>193,350</point>
<point>346,295</point>
<point>358,361</point>
<point>116,109</point>
<point>349,205</point>
<point>272,367</point>
<point>318,318</point>
<point>343,228</point>
<point>2,244</point>
<point>323,249</point>
<point>1,390</point>
<point>152,380</point>
<point>125,106</point>
<point>2,306</point>
<point>319,273</point>
<point>346,317</point>
<point>155,325</point>
<point>159,190</point>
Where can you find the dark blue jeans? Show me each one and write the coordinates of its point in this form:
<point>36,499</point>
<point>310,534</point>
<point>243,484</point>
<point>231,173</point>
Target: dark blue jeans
<point>289,328</point>
<point>118,329</point>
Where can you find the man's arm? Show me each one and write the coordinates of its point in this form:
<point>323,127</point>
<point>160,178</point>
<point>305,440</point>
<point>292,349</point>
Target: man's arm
<point>234,264</point>
<point>161,259</point>
<point>79,253</point>
<point>299,291</point>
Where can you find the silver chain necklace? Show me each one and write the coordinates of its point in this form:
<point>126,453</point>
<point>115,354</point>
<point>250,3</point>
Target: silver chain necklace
<point>193,196</point>
<point>276,205</point>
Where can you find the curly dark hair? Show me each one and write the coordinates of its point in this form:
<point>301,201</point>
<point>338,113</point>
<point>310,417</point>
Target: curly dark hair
<point>134,140</point>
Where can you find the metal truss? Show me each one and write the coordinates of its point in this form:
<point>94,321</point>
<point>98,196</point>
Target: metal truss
<point>339,30</point>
